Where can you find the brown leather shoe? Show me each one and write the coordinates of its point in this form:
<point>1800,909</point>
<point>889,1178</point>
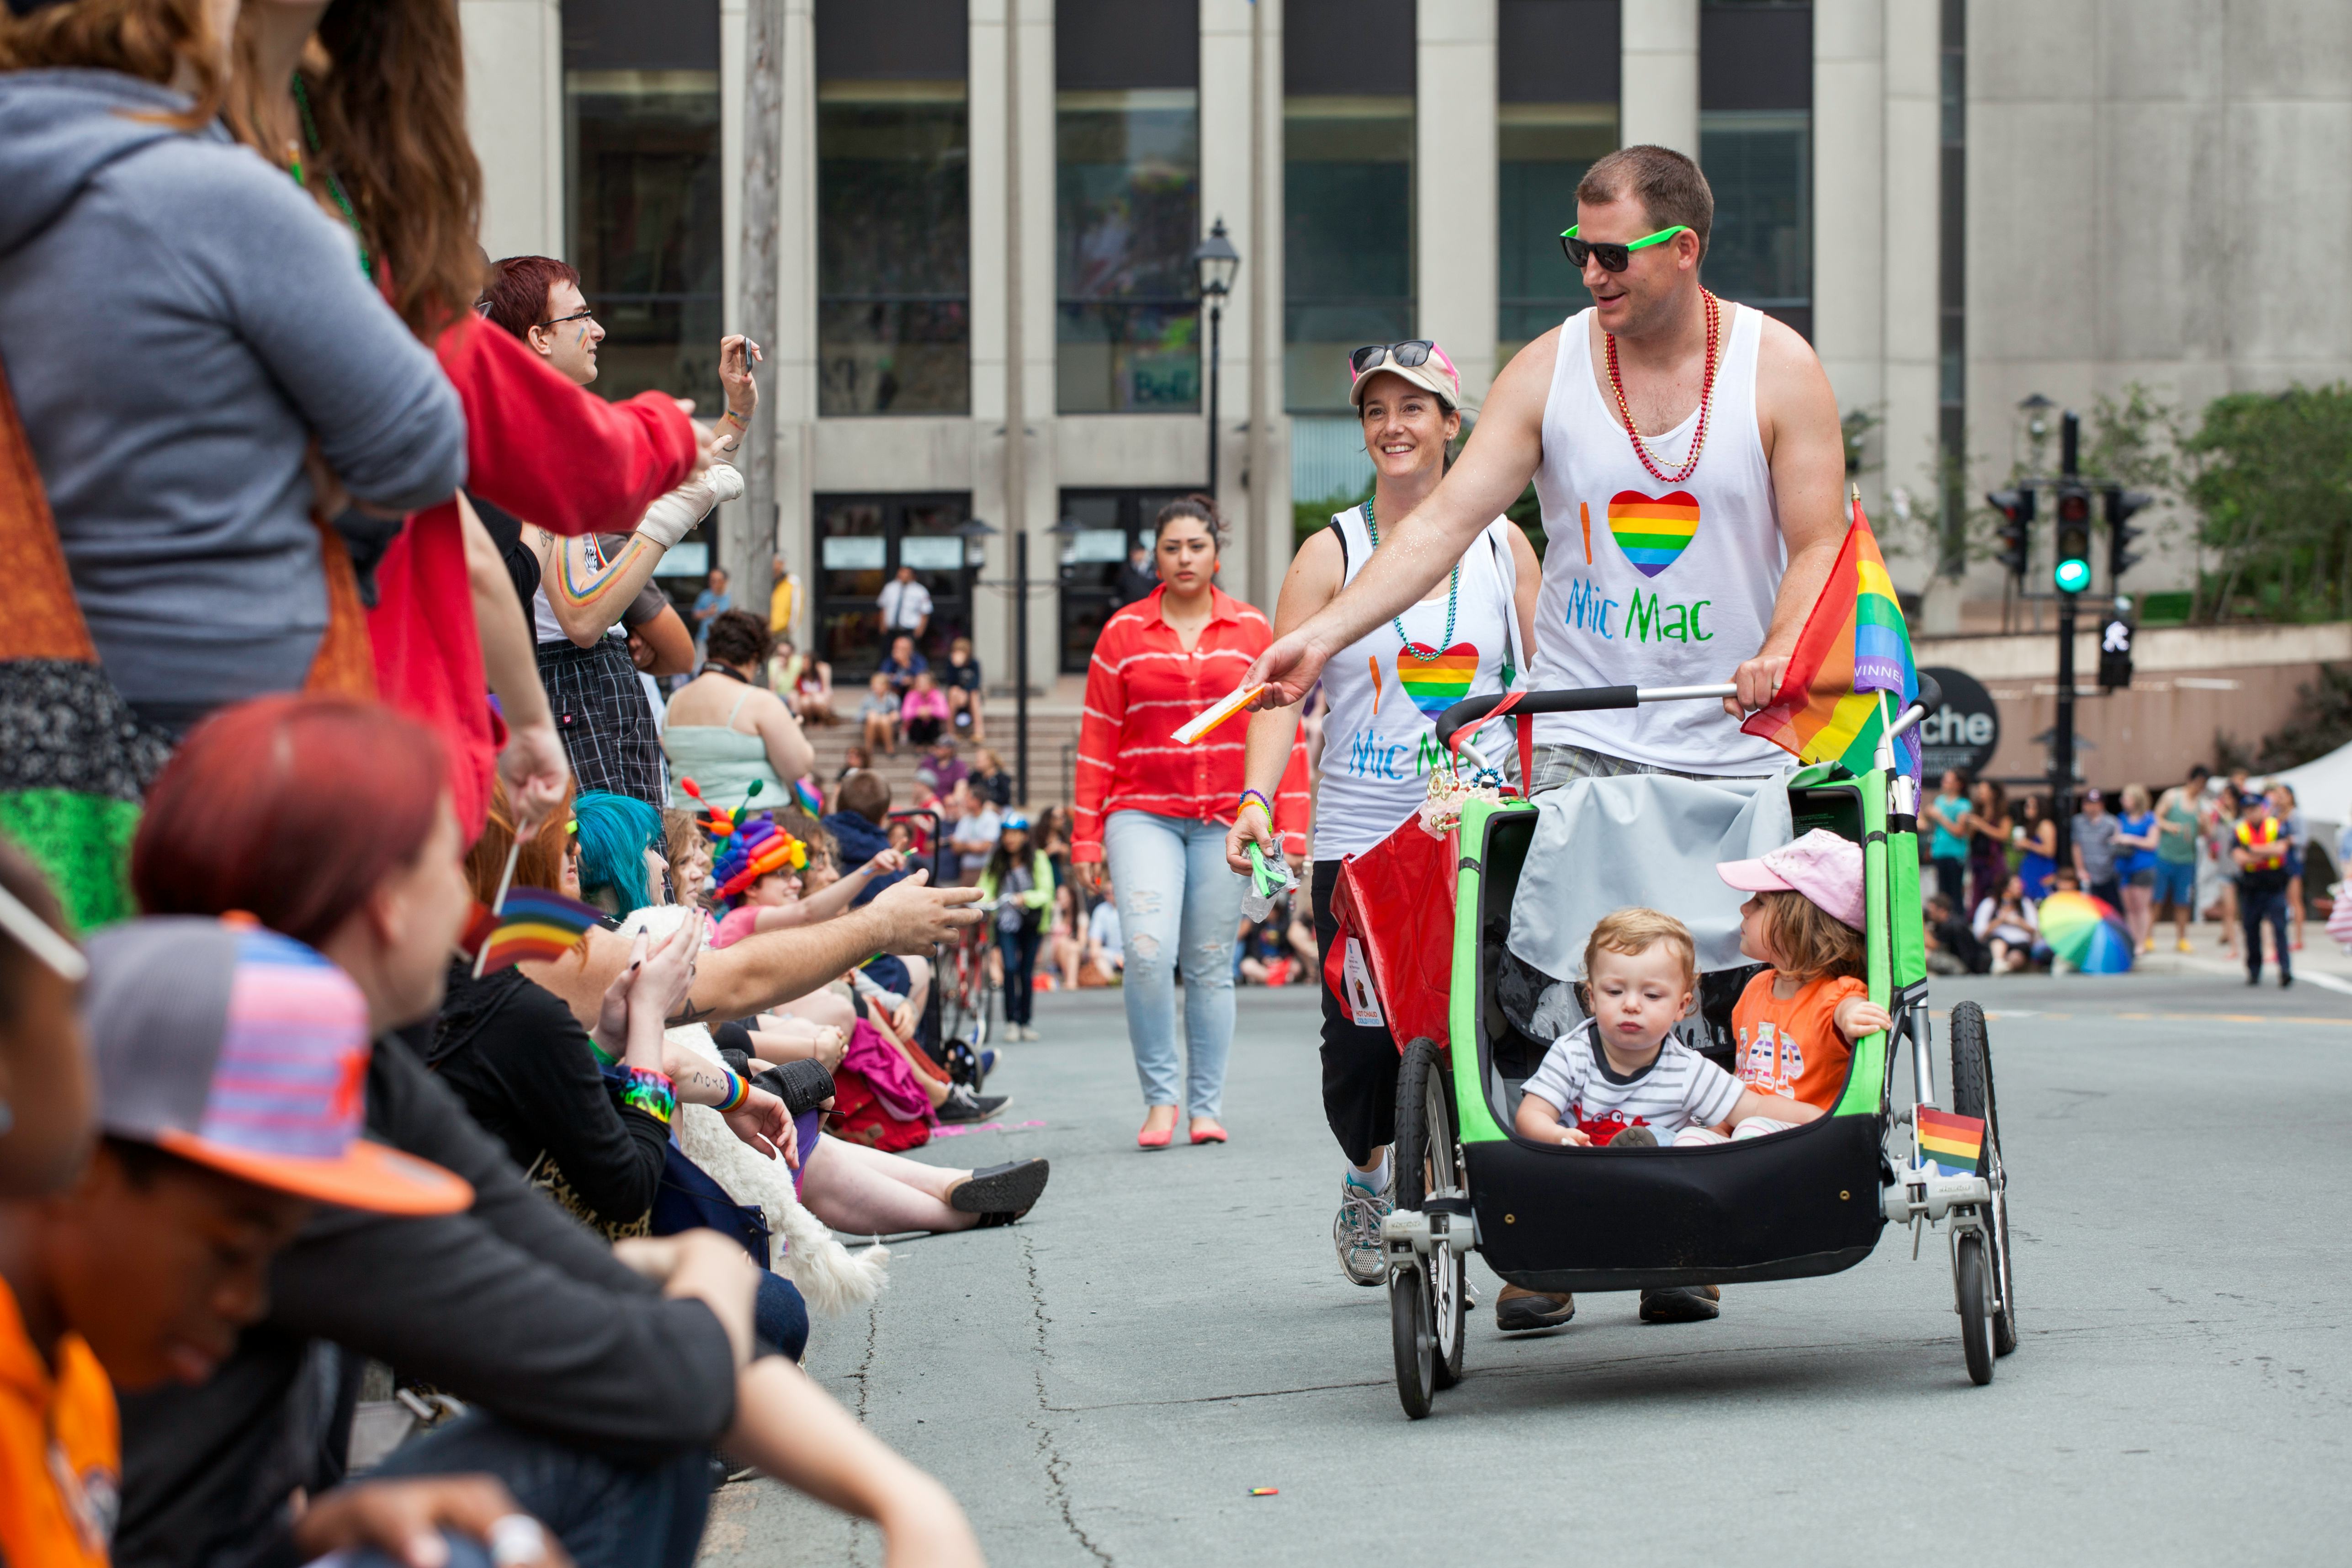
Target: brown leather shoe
<point>1517,1311</point>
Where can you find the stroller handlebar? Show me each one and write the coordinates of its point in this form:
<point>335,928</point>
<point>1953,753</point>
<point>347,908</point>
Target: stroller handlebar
<point>1472,712</point>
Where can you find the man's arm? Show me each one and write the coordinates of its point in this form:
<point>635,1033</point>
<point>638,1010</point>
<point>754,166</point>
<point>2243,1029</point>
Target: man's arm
<point>671,643</point>
<point>769,968</point>
<point>1797,416</point>
<point>1424,546</point>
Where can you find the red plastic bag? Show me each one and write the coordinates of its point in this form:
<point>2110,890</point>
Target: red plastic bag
<point>1391,959</point>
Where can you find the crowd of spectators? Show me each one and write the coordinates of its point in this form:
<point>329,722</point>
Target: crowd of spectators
<point>2228,850</point>
<point>331,625</point>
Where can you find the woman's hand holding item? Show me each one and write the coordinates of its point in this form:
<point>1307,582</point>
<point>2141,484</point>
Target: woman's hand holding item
<point>760,1121</point>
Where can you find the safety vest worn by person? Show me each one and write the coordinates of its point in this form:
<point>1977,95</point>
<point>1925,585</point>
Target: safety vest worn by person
<point>2266,842</point>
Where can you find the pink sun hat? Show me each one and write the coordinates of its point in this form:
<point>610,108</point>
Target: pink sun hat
<point>1822,866</point>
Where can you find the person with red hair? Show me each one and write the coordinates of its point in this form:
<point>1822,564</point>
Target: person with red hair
<point>588,588</point>
<point>599,1381</point>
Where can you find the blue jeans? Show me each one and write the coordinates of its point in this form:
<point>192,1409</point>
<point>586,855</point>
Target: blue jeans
<point>1020,947</point>
<point>2253,910</point>
<point>606,1513</point>
<point>778,1316</point>
<point>1177,897</point>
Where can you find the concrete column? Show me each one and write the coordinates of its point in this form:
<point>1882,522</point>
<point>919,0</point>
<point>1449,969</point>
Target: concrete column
<point>1850,203</point>
<point>1226,194</point>
<point>1659,85</point>
<point>1269,460</point>
<point>514,113</point>
<point>1910,387</point>
<point>1454,187</point>
<point>792,358</point>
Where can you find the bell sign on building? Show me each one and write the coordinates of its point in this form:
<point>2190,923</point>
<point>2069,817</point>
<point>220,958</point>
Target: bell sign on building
<point>1964,731</point>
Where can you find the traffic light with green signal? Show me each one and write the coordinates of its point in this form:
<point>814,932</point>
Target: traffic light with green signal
<point>2121,505</point>
<point>2072,571</point>
<point>2016,529</point>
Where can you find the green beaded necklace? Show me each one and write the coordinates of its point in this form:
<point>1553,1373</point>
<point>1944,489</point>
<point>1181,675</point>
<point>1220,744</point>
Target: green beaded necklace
<point>1453,595</point>
<point>335,185</point>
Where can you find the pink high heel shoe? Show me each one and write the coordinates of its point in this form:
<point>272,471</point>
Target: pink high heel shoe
<point>1206,1131</point>
<point>1147,1139</point>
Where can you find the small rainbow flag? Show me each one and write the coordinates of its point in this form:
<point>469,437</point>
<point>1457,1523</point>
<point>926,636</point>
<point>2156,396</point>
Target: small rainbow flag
<point>1855,646</point>
<point>1952,1142</point>
<point>1437,684</point>
<point>534,923</point>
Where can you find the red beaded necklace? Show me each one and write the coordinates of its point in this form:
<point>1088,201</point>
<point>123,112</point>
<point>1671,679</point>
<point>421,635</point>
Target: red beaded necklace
<point>1706,398</point>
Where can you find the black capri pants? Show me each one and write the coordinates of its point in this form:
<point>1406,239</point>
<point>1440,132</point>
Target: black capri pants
<point>1360,1061</point>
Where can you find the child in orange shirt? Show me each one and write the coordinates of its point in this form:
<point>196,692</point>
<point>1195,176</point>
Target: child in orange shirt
<point>1797,1022</point>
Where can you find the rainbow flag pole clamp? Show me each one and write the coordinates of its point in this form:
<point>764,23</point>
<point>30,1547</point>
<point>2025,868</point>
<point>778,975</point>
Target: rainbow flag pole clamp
<point>1953,1144</point>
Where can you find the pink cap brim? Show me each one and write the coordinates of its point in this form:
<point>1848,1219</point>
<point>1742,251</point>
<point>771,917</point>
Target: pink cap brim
<point>1753,877</point>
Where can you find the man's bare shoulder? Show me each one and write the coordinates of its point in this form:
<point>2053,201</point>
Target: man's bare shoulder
<point>1784,355</point>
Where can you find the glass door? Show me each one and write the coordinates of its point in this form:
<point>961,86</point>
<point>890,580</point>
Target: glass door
<point>861,542</point>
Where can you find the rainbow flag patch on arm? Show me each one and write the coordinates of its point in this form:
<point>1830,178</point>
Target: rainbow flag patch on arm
<point>1954,1143</point>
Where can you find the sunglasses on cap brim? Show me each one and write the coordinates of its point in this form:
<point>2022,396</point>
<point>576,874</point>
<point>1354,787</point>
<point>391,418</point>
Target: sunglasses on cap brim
<point>1613,257</point>
<point>1409,355</point>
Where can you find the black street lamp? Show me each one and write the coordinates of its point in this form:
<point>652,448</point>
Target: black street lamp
<point>1218,261</point>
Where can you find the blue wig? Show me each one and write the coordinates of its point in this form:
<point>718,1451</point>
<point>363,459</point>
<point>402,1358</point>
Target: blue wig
<point>615,831</point>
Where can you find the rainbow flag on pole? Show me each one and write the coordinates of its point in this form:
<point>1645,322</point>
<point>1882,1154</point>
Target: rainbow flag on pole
<point>533,923</point>
<point>1953,1143</point>
<point>1854,647</point>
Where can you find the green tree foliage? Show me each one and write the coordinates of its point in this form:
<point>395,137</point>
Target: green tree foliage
<point>2272,484</point>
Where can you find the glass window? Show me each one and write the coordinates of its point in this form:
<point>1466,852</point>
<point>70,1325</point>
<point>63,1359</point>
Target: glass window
<point>1545,150</point>
<point>645,228</point>
<point>1347,202</point>
<point>1760,165</point>
<point>894,321</point>
<point>1110,524</point>
<point>1127,215</point>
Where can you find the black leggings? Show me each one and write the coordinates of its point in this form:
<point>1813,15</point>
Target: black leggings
<point>1360,1061</point>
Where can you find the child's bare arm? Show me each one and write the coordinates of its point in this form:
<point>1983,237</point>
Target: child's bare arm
<point>1773,1107</point>
<point>1537,1119</point>
<point>1859,1016</point>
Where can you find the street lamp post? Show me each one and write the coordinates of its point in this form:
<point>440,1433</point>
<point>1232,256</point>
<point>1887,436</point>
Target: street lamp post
<point>1218,261</point>
<point>973,530</point>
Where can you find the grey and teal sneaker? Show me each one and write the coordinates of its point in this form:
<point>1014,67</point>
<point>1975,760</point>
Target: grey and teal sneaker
<point>1356,1232</point>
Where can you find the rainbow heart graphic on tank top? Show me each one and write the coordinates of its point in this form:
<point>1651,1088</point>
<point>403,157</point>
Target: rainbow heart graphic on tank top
<point>1652,531</point>
<point>1437,684</point>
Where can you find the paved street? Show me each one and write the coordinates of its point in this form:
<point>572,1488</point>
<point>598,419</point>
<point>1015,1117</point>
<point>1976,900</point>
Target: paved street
<point>1105,1383</point>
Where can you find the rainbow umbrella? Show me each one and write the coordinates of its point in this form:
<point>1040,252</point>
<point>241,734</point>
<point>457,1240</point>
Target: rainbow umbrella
<point>2086,932</point>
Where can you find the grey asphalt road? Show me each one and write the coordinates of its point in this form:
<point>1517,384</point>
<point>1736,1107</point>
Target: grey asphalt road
<point>1107,1380</point>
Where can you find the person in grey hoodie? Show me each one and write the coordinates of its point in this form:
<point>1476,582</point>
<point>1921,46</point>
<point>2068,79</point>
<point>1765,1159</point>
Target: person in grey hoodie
<point>179,324</point>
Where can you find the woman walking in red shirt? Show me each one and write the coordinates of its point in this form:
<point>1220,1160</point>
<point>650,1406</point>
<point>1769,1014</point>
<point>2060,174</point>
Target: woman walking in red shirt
<point>1157,812</point>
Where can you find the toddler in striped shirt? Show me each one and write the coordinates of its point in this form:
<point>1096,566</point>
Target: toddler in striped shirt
<point>1619,1076</point>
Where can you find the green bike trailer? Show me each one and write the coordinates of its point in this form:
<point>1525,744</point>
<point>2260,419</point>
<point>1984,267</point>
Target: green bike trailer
<point>1809,1201</point>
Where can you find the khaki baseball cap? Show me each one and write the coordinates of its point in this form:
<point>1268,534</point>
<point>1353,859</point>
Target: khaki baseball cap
<point>1430,369</point>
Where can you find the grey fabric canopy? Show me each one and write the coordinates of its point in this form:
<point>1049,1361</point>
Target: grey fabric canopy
<point>1641,838</point>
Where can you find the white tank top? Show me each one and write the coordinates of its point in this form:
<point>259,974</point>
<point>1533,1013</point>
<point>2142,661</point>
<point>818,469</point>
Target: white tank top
<point>1653,585</point>
<point>1380,738</point>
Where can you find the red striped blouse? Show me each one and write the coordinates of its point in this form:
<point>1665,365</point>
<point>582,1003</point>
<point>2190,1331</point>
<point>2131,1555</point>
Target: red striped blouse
<point>1140,687</point>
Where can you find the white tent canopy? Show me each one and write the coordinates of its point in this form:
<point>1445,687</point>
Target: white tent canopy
<point>2323,788</point>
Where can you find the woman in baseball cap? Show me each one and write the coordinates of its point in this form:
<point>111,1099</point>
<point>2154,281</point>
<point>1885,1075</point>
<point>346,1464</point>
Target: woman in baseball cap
<point>1382,696</point>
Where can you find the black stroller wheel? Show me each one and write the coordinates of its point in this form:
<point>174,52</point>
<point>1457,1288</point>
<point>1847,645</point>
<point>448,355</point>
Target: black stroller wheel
<point>1972,1095</point>
<point>1973,1286</point>
<point>1429,1164</point>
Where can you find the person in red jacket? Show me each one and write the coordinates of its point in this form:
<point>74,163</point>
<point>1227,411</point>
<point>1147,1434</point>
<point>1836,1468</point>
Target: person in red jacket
<point>445,623</point>
<point>1157,812</point>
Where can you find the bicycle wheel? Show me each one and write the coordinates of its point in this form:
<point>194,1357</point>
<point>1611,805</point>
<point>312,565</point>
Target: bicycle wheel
<point>1429,1164</point>
<point>1972,1095</point>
